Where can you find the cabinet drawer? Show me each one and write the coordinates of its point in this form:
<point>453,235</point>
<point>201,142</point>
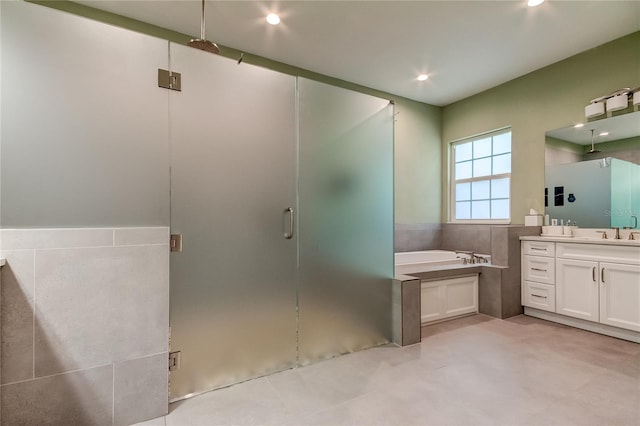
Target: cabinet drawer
<point>539,296</point>
<point>539,248</point>
<point>600,253</point>
<point>539,269</point>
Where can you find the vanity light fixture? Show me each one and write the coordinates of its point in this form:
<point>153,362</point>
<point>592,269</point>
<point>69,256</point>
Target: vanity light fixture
<point>534,3</point>
<point>422,77</point>
<point>636,97</point>
<point>618,102</point>
<point>614,102</point>
<point>594,109</point>
<point>273,19</point>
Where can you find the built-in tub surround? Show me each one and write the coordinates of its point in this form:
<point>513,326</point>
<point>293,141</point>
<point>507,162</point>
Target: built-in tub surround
<point>499,286</point>
<point>417,236</point>
<point>409,291</point>
<point>85,316</point>
<point>420,261</point>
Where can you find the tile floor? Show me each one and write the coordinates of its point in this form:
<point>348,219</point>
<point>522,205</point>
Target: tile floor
<point>475,370</point>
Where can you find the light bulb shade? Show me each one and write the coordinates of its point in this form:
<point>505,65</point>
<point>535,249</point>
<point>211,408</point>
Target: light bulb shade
<point>594,109</point>
<point>616,103</point>
<point>636,98</point>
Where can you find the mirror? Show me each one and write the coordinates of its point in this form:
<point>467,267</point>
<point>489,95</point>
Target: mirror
<point>593,178</point>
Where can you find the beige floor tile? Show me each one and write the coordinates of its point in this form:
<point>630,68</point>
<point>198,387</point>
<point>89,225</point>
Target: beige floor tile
<point>475,370</point>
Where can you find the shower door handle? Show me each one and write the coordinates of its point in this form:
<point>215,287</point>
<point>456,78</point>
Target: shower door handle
<point>292,218</point>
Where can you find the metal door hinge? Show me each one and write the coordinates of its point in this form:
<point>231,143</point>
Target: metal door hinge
<point>175,242</point>
<point>169,80</point>
<point>174,360</point>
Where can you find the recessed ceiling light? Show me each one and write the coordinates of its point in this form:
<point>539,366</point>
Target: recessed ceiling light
<point>533,3</point>
<point>577,126</point>
<point>422,77</point>
<point>273,19</point>
<point>604,134</point>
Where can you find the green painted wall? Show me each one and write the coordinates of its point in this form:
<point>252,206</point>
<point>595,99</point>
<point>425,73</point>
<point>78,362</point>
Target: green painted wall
<point>417,161</point>
<point>549,98</point>
<point>618,145</point>
<point>565,145</point>
<point>417,126</point>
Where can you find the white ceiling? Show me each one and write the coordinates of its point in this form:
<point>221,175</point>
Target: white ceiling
<point>464,46</point>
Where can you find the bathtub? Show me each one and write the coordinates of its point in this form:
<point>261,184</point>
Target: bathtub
<point>421,261</point>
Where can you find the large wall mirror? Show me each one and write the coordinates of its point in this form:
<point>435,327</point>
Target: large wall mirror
<point>592,174</point>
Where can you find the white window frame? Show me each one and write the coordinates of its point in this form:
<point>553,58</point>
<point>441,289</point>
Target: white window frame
<point>453,182</point>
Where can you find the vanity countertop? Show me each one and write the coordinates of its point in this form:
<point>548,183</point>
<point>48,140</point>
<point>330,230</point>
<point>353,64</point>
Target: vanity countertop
<point>582,240</point>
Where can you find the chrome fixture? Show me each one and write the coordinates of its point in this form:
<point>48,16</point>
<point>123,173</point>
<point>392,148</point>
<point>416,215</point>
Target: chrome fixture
<point>291,213</point>
<point>201,43</point>
<point>473,257</point>
<point>593,150</point>
<point>604,234</point>
<point>631,237</point>
<point>617,236</point>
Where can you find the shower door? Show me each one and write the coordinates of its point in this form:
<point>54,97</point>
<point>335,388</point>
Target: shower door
<point>233,147</point>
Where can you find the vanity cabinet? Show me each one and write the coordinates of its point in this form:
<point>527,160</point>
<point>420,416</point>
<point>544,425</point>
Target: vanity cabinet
<point>620,295</point>
<point>577,290</point>
<point>604,292</point>
<point>598,283</point>
<point>538,275</point>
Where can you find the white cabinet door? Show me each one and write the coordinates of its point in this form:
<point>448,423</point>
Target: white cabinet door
<point>620,295</point>
<point>577,289</point>
<point>448,298</point>
<point>461,296</point>
<point>431,306</point>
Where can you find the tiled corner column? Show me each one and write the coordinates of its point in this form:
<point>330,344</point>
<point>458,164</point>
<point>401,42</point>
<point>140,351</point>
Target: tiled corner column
<point>405,306</point>
<point>84,318</point>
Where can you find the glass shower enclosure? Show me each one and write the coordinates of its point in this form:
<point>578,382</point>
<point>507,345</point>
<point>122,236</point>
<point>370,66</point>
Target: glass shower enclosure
<point>282,190</point>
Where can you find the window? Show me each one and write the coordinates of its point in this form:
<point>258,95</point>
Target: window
<point>481,177</point>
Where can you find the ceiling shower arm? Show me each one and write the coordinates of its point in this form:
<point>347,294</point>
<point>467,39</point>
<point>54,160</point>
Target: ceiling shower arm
<point>202,23</point>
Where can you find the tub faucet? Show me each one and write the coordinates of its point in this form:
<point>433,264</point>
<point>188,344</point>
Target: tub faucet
<point>471,259</point>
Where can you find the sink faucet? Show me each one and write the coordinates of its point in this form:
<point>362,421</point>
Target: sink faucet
<point>617,236</point>
<point>631,235</point>
<point>604,234</point>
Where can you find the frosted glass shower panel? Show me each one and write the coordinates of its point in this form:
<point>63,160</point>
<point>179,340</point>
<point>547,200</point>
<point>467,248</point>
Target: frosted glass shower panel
<point>84,132</point>
<point>625,193</point>
<point>233,297</point>
<point>346,220</point>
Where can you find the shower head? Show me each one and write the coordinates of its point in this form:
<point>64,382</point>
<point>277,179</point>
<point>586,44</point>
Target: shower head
<point>592,150</point>
<point>201,43</point>
<point>206,45</point>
